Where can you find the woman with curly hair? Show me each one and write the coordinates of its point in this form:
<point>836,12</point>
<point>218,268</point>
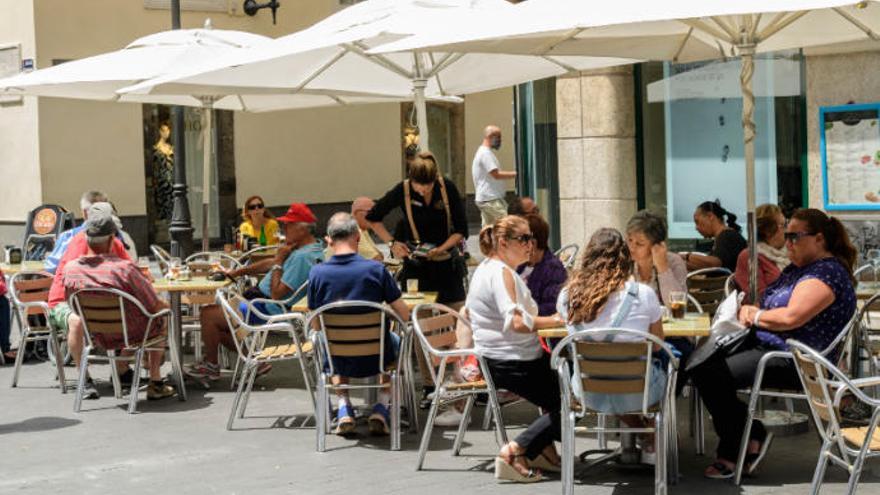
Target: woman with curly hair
<point>505,320</point>
<point>601,294</point>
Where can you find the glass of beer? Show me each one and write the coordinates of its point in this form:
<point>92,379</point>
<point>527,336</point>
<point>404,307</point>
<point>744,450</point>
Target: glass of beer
<point>143,265</point>
<point>677,303</point>
<point>412,285</point>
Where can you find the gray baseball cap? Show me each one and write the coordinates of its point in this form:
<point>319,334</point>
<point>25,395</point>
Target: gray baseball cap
<point>100,222</point>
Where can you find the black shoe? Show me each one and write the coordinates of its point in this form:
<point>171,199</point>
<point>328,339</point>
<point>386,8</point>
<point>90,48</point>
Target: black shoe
<point>90,391</point>
<point>126,378</point>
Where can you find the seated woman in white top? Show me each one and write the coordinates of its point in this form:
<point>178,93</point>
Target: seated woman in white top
<point>601,294</point>
<point>504,318</point>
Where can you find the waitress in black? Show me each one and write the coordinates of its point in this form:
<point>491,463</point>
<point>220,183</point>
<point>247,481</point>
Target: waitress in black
<point>434,218</point>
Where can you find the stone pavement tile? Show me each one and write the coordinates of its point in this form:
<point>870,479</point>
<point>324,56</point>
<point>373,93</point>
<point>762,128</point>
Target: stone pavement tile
<point>184,448</point>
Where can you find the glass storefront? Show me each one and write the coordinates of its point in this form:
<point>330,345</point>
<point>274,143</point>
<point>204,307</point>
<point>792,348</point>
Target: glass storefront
<point>691,137</point>
<point>536,149</point>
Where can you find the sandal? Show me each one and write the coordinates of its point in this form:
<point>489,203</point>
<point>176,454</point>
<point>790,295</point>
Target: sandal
<point>722,472</point>
<point>9,356</point>
<point>505,471</point>
<point>752,460</point>
<point>543,463</point>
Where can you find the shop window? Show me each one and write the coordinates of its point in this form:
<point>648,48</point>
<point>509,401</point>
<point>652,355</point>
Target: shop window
<point>691,137</point>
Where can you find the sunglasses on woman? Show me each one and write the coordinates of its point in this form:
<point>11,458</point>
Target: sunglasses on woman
<point>523,238</point>
<point>796,236</point>
<point>255,206</point>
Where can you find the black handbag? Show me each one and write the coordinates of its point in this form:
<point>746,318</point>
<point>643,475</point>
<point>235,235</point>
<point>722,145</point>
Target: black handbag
<point>723,345</point>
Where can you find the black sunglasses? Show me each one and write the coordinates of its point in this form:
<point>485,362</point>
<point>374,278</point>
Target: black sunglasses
<point>523,238</point>
<point>256,206</point>
<point>796,236</point>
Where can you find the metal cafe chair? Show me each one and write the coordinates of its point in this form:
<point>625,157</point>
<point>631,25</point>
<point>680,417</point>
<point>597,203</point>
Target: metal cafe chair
<point>103,312</point>
<point>436,333</point>
<point>250,343</point>
<point>600,366</point>
<point>352,329</point>
<point>568,255</point>
<point>825,387</point>
<point>708,287</point>
<point>297,319</point>
<point>757,390</point>
<point>30,293</point>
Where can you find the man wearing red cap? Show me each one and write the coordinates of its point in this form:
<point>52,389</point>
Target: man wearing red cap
<point>288,270</point>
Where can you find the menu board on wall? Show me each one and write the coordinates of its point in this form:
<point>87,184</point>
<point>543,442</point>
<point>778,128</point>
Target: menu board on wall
<point>850,147</point>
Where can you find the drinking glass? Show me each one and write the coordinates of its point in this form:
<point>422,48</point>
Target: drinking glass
<point>677,303</point>
<point>143,265</point>
<point>412,285</point>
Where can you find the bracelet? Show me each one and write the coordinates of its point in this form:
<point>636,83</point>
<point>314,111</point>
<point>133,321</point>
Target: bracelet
<point>276,267</point>
<point>757,317</point>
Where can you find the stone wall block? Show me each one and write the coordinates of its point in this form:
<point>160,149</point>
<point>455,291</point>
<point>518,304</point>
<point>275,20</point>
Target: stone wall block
<point>609,168</point>
<point>571,176</point>
<point>608,106</point>
<point>568,107</point>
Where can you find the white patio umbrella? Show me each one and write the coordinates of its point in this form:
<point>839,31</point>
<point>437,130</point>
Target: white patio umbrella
<point>100,78</point>
<point>679,31</point>
<point>331,58</point>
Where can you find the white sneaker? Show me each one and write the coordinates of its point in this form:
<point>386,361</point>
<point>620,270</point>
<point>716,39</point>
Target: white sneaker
<point>449,417</point>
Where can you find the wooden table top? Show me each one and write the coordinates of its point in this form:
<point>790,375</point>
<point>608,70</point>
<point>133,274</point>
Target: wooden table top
<point>692,325</point>
<point>30,266</point>
<point>302,306</point>
<point>197,284</point>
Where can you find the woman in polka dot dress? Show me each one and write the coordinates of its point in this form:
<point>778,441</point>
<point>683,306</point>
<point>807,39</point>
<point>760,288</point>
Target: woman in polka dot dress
<point>811,301</point>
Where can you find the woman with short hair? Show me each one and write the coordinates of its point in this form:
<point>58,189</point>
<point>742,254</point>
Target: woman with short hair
<point>543,272</point>
<point>655,266</point>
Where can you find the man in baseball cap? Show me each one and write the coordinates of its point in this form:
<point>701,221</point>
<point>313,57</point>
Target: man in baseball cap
<point>284,274</point>
<point>102,267</point>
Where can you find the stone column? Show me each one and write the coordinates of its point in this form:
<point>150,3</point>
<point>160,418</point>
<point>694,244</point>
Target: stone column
<point>595,115</point>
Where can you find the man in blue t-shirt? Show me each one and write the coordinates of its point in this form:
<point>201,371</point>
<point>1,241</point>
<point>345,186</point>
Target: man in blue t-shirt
<point>347,276</point>
<point>287,270</point>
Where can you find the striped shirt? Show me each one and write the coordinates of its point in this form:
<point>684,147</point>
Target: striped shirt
<point>111,272</point>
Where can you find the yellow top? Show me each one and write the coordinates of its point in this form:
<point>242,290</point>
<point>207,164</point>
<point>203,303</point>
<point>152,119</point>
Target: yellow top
<point>271,227</point>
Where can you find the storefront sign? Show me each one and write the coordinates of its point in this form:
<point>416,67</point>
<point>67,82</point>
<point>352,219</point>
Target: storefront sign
<point>850,147</point>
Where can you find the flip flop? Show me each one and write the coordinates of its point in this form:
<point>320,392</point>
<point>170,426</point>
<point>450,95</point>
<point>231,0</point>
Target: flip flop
<point>752,460</point>
<point>723,472</point>
<point>504,471</point>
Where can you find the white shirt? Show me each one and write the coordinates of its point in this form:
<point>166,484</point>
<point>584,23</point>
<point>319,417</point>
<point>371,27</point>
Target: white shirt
<point>644,311</point>
<point>491,312</point>
<point>487,187</point>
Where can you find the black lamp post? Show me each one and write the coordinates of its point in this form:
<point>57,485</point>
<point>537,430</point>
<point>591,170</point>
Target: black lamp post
<point>181,230</point>
<point>251,7</point>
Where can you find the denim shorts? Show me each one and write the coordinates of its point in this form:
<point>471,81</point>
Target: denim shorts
<point>626,403</point>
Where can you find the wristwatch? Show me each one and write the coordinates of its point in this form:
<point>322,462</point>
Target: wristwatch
<point>276,267</point>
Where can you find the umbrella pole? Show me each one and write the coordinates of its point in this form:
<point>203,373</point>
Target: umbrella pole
<point>421,113</point>
<point>747,52</point>
<point>419,85</point>
<point>208,106</point>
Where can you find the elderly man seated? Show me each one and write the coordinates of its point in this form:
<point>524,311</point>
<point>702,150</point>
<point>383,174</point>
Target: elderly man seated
<point>286,272</point>
<point>101,267</point>
<point>60,314</point>
<point>366,247</point>
<point>348,276</point>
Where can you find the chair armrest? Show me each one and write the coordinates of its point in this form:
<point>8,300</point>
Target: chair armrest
<point>286,317</point>
<point>36,304</point>
<point>866,382</point>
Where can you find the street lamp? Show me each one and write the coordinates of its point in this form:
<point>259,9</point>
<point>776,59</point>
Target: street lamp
<point>181,230</point>
<point>251,7</point>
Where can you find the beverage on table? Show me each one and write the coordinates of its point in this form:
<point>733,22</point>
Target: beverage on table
<point>412,285</point>
<point>677,304</point>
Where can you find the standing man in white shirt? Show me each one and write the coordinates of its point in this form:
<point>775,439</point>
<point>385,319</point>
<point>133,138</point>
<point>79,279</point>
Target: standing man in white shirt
<point>489,178</point>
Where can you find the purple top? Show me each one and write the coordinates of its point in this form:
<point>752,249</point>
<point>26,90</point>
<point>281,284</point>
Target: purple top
<point>820,331</point>
<point>545,280</point>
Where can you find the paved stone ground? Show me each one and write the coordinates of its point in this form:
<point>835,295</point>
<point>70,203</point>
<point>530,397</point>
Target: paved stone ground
<point>183,447</point>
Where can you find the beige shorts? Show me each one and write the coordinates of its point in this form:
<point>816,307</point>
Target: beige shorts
<point>490,211</point>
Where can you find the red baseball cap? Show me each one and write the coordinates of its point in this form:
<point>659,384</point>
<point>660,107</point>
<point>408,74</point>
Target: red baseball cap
<point>298,212</point>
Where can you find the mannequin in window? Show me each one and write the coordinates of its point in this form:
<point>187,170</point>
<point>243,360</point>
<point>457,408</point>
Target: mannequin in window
<point>163,173</point>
